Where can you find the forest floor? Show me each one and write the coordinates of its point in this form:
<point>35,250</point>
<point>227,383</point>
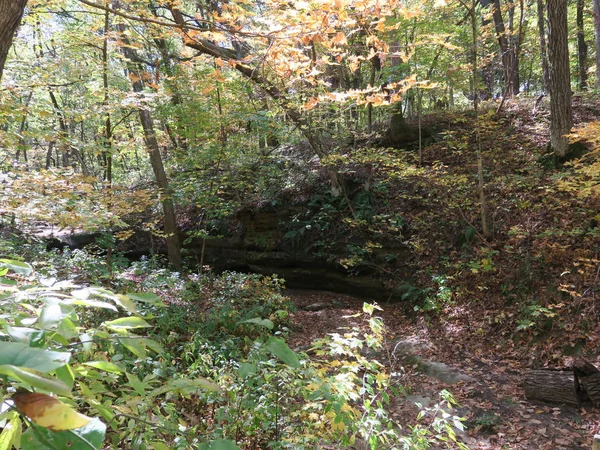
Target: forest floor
<point>493,402</point>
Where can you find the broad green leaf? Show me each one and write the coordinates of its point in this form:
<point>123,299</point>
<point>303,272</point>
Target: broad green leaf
<point>280,349</point>
<point>247,369</point>
<point>54,312</point>
<point>153,345</point>
<point>21,355</point>
<point>66,375</point>
<point>146,297</point>
<point>118,299</point>
<point>89,437</point>
<point>125,302</point>
<point>16,266</point>
<point>135,346</point>
<point>185,386</point>
<point>136,384</point>
<point>35,379</point>
<point>92,303</point>
<point>104,365</point>
<point>8,282</point>
<point>223,444</point>
<point>126,323</point>
<point>11,432</point>
<point>49,412</point>
<point>30,336</point>
<point>159,446</point>
<point>262,322</point>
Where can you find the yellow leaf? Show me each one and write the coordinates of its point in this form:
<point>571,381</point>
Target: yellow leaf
<point>48,412</point>
<point>339,39</point>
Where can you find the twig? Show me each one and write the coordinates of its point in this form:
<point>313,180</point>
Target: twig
<point>479,235</point>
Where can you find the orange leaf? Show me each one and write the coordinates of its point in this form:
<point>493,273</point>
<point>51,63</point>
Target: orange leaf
<point>48,412</point>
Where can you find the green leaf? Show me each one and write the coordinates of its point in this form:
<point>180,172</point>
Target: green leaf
<point>134,346</point>
<point>223,444</point>
<point>18,267</point>
<point>12,432</point>
<point>247,369</point>
<point>158,446</point>
<point>118,299</point>
<point>185,386</point>
<point>54,312</point>
<point>30,336</point>
<point>126,323</point>
<point>8,281</point>
<point>90,302</point>
<point>280,349</point>
<point>35,379</point>
<point>89,437</point>
<point>104,365</point>
<point>262,322</point>
<point>136,384</point>
<point>66,375</point>
<point>21,355</point>
<point>146,297</point>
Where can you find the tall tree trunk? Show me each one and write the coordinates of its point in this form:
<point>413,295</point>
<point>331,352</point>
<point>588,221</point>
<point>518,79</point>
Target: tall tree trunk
<point>561,118</point>
<point>582,48</point>
<point>475,73</point>
<point>508,54</point>
<point>166,194</point>
<point>597,36</point>
<point>11,12</point>
<point>543,45</point>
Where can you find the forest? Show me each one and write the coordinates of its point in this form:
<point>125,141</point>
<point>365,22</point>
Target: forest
<point>299,224</point>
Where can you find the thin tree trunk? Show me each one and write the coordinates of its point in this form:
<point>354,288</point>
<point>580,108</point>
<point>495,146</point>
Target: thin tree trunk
<point>582,47</point>
<point>166,194</point>
<point>597,36</point>
<point>22,146</point>
<point>561,118</point>
<point>475,73</point>
<point>544,46</point>
<point>107,153</point>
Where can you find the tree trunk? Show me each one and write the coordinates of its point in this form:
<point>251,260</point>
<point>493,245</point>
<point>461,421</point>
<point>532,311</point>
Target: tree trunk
<point>10,18</point>
<point>582,48</point>
<point>543,46</point>
<point>508,54</point>
<point>166,195</point>
<point>552,386</point>
<point>597,36</point>
<point>561,118</point>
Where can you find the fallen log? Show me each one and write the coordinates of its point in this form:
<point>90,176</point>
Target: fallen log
<point>588,376</point>
<point>553,386</point>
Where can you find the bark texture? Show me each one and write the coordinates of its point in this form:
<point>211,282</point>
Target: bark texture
<point>582,47</point>
<point>11,12</point>
<point>543,45</point>
<point>597,36</point>
<point>561,116</point>
<point>508,51</point>
<point>552,386</point>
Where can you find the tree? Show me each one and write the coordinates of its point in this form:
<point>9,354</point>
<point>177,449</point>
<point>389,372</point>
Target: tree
<point>170,221</point>
<point>597,36</point>
<point>582,47</point>
<point>561,117</point>
<point>543,45</point>
<point>11,12</point>
<point>508,44</point>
